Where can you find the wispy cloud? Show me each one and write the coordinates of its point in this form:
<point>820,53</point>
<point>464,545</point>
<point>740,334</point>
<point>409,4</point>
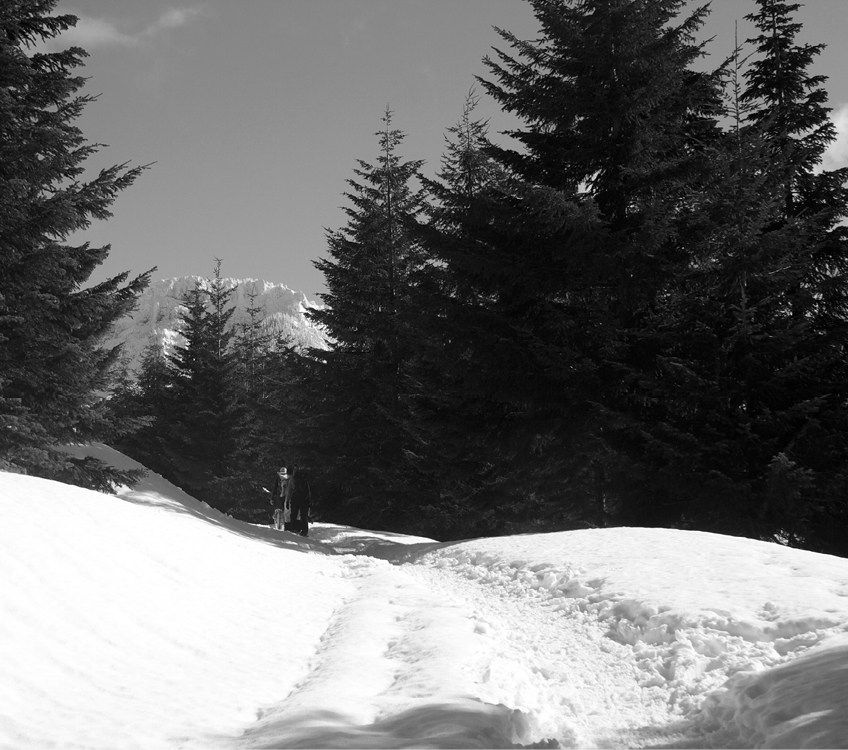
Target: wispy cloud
<point>172,18</point>
<point>90,32</point>
<point>95,32</point>
<point>836,155</point>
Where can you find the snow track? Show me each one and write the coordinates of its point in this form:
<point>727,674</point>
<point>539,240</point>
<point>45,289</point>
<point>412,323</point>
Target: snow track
<point>418,651</point>
<point>148,620</point>
<point>372,683</point>
<point>567,677</point>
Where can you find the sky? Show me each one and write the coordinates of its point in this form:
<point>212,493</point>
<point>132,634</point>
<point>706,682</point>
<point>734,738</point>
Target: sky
<point>254,114</point>
<point>145,619</point>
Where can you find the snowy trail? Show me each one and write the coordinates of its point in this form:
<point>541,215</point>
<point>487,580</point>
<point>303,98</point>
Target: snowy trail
<point>522,670</point>
<point>399,662</point>
<point>562,671</point>
<point>148,620</point>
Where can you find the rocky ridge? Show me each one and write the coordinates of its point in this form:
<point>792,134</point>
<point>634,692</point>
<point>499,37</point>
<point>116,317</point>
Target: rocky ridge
<point>156,317</point>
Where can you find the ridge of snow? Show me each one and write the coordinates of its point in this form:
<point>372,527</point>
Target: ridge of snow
<point>148,619</point>
<point>714,622</point>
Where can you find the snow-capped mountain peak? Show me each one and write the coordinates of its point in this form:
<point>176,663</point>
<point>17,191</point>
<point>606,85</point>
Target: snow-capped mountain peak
<point>157,314</point>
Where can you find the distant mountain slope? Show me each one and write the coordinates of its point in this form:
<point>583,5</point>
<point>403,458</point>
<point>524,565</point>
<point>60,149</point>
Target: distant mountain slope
<point>156,316</point>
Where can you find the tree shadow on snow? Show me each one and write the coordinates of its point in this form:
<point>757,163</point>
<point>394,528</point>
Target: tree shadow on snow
<point>384,545</point>
<point>156,492</point>
<point>469,724</point>
<point>676,735</point>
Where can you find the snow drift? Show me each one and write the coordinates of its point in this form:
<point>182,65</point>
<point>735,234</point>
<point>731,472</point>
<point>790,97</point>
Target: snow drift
<point>149,620</point>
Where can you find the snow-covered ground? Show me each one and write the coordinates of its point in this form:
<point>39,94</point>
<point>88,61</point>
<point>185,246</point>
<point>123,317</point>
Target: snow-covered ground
<point>149,620</point>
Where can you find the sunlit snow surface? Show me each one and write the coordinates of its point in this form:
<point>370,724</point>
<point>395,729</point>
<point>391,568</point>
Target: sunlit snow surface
<point>149,620</point>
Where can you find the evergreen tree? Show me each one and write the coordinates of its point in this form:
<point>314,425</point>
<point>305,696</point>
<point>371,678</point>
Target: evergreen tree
<point>360,386</point>
<point>460,424</point>
<point>790,102</point>
<point>736,423</point>
<point>761,317</point>
<point>203,410</point>
<point>251,342</point>
<point>52,364</point>
<point>566,261</point>
<point>257,431</point>
<point>141,404</point>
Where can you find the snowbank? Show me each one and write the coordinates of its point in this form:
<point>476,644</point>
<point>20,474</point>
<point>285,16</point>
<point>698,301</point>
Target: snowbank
<point>150,620</point>
<point>697,609</point>
<point>143,623</point>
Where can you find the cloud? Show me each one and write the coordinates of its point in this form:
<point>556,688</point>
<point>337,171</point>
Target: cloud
<point>94,32</point>
<point>90,32</point>
<point>836,155</point>
<point>172,18</point>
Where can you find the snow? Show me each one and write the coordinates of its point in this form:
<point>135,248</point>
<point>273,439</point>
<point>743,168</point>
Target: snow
<point>156,316</point>
<point>146,619</point>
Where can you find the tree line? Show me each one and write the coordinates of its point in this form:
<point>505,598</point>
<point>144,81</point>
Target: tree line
<point>636,315</point>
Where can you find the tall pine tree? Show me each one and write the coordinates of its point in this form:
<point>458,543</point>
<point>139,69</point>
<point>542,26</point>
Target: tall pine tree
<point>362,395</point>
<point>52,364</point>
<point>204,411</point>
<point>759,417</point>
<point>565,262</point>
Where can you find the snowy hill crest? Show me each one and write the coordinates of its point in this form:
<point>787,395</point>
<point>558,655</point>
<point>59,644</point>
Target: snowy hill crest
<point>147,619</point>
<point>157,314</point>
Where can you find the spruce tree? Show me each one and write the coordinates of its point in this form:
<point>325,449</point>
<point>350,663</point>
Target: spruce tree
<point>567,261</point>
<point>790,102</point>
<point>769,410</point>
<point>462,425</point>
<point>257,430</point>
<point>362,382</point>
<point>52,364</point>
<point>742,421</point>
<point>141,403</point>
<point>204,411</point>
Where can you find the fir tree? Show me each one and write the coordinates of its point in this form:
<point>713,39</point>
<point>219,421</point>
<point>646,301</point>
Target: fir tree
<point>790,102</point>
<point>567,260</point>
<point>460,424</point>
<point>141,403</point>
<point>776,280</point>
<point>204,411</point>
<point>257,432</point>
<point>52,364</point>
<point>743,412</point>
<point>361,389</point>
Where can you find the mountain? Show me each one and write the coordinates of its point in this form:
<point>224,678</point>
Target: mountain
<point>156,317</point>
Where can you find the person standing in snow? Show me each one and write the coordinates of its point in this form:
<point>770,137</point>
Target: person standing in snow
<point>301,498</point>
<point>281,498</point>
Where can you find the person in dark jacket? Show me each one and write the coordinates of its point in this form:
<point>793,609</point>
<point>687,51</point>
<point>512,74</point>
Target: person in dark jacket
<point>281,497</point>
<point>301,498</point>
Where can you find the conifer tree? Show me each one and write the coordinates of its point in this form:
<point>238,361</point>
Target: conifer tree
<point>790,102</point>
<point>257,432</point>
<point>569,259</point>
<point>142,404</point>
<point>204,411</point>
<point>52,363</point>
<point>461,424</point>
<point>251,342</point>
<point>362,388</point>
<point>769,410</point>
<point>744,408</point>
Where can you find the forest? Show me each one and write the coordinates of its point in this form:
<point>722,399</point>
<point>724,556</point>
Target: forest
<point>636,315</point>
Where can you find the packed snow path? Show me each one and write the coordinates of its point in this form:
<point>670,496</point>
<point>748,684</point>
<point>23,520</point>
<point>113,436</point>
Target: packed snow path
<point>512,669</point>
<point>149,620</point>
